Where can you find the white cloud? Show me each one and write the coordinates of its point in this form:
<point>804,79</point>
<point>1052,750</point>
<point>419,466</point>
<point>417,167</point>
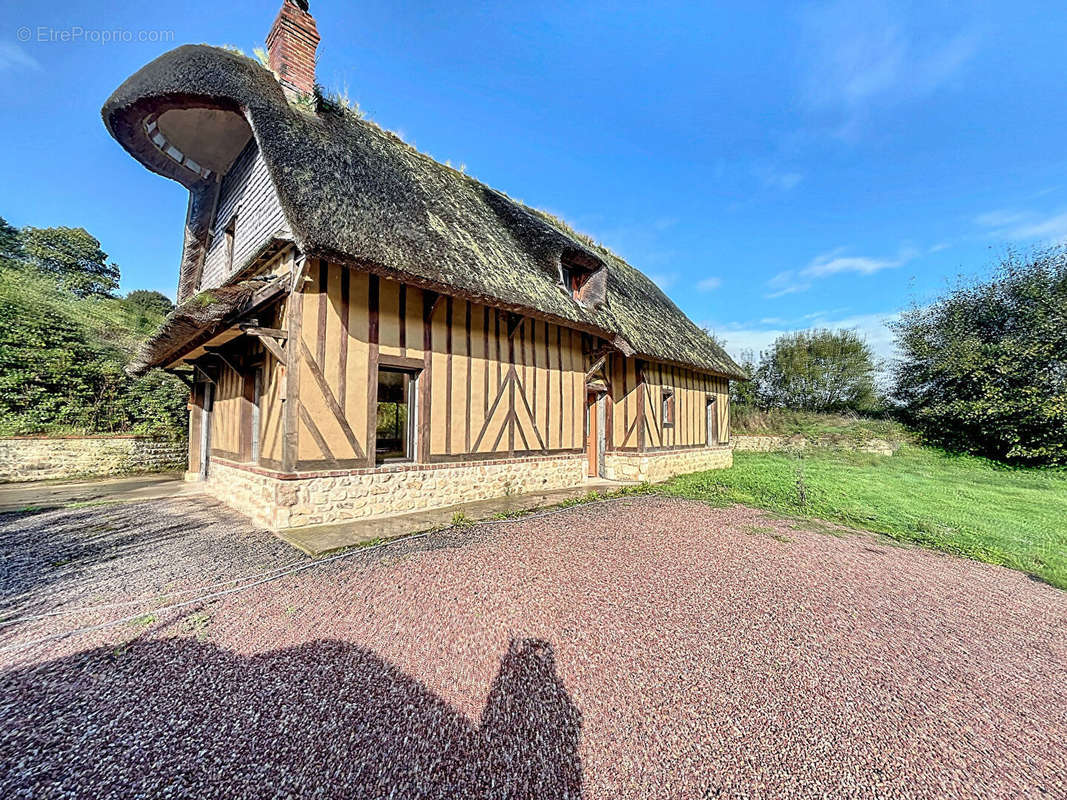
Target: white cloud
<point>835,262</point>
<point>1024,225</point>
<point>786,282</point>
<point>709,284</point>
<point>863,53</point>
<point>12,57</point>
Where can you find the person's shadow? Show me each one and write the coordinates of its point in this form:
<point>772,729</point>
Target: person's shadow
<point>180,718</point>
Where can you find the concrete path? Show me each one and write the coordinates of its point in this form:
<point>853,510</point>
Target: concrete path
<point>49,494</point>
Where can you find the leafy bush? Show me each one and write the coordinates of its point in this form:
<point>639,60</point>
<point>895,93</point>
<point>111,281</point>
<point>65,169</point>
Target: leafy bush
<point>150,301</point>
<point>984,368</point>
<point>63,350</point>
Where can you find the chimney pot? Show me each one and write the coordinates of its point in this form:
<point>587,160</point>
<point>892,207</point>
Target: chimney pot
<point>291,46</point>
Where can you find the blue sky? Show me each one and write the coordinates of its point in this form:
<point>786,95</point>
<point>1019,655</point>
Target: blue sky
<point>772,165</point>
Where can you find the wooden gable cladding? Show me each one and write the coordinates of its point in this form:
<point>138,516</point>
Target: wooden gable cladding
<point>482,393</point>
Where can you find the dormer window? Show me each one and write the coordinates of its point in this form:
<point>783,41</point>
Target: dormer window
<point>575,277</point>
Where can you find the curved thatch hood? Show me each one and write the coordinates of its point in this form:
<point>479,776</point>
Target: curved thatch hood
<point>357,194</point>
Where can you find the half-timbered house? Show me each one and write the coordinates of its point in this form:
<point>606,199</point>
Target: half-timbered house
<point>366,331</point>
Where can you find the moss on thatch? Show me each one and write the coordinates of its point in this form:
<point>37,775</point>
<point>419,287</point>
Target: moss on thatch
<point>360,195</point>
<point>196,320</point>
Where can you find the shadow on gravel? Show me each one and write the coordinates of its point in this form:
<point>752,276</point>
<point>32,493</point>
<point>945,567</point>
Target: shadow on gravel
<point>184,718</point>
<point>43,547</point>
<point>111,551</point>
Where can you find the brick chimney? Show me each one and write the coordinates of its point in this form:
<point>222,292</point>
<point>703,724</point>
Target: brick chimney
<point>291,46</point>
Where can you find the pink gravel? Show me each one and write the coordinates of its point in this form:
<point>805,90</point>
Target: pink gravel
<point>643,647</point>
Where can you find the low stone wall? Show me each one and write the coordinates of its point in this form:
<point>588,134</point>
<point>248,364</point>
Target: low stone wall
<point>767,444</point>
<point>277,501</point>
<point>35,458</point>
<point>659,466</point>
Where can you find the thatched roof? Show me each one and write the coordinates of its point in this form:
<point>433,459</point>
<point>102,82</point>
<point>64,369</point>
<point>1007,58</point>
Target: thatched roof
<point>202,317</point>
<point>359,195</point>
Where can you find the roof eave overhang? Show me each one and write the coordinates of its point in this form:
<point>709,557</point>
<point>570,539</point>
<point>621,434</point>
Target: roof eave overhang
<point>173,356</point>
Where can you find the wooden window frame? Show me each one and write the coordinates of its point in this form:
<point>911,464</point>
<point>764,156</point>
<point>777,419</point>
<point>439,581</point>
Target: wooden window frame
<point>711,412</point>
<point>667,406</point>
<point>412,369</point>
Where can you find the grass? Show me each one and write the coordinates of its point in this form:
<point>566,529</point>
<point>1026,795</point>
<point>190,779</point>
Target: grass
<point>959,504</point>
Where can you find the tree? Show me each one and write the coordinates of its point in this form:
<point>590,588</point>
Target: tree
<point>983,369</point>
<point>154,302</point>
<point>10,242</point>
<point>818,370</point>
<point>745,393</point>
<point>73,256</point>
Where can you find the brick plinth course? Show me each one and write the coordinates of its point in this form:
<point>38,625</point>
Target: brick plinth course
<point>277,501</point>
<point>35,458</point>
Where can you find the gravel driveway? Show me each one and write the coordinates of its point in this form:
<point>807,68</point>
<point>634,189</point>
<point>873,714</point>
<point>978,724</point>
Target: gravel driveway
<point>642,647</point>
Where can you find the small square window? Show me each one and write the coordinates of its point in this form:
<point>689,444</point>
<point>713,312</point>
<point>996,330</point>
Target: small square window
<point>668,407</point>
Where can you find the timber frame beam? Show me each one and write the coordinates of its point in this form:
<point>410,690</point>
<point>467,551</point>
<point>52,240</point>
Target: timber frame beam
<point>217,352</point>
<point>597,366</point>
<point>273,339</point>
<point>197,368</point>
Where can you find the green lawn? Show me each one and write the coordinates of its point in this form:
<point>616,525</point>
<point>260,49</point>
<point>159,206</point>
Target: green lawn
<point>960,504</point>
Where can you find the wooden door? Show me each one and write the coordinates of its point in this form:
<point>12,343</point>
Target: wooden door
<point>591,435</point>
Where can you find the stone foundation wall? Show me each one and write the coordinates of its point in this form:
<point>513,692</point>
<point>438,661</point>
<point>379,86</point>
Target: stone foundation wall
<point>659,466</point>
<point>33,458</point>
<point>767,444</point>
<point>276,501</point>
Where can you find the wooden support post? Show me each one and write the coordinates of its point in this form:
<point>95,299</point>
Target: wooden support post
<point>291,410</point>
<point>274,333</point>
<point>514,321</point>
<point>642,419</point>
<point>430,300</point>
<point>218,353</point>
